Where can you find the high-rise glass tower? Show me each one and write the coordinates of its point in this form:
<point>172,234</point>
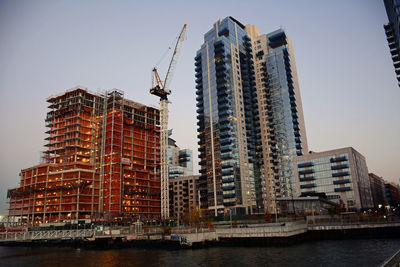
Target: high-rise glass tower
<point>281,117</point>
<point>249,117</point>
<point>392,30</point>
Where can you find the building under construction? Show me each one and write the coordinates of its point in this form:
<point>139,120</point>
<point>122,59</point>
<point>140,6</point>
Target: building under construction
<point>102,162</point>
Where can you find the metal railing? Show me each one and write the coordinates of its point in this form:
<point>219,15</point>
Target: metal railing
<point>46,235</point>
<point>274,230</point>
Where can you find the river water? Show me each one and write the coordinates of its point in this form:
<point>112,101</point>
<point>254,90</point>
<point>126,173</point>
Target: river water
<point>365,252</point>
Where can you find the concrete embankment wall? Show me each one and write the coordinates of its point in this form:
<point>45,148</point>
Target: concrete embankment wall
<point>355,231</point>
<point>263,235</point>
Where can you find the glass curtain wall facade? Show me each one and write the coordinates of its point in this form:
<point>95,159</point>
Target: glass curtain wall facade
<point>392,31</point>
<point>250,118</point>
<point>227,119</point>
<point>283,135</point>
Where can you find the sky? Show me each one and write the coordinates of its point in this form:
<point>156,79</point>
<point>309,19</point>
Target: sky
<point>347,82</point>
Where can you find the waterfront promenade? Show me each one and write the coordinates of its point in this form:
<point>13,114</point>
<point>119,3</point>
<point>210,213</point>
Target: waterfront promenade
<point>281,232</point>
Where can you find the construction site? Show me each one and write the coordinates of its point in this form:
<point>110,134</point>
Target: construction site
<point>102,162</point>
<point>106,159</point>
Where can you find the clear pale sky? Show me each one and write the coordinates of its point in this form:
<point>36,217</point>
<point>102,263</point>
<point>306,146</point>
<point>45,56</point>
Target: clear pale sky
<point>347,80</point>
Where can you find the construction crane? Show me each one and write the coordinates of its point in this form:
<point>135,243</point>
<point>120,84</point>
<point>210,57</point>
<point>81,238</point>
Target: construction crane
<point>160,89</point>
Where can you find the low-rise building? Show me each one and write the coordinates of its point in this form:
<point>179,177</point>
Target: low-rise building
<point>377,190</point>
<point>183,197</point>
<point>392,194</point>
<point>305,205</point>
<point>341,174</point>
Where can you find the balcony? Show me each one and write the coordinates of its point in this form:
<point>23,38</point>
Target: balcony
<point>199,80</point>
<point>229,203</point>
<point>303,186</point>
<point>306,171</point>
<point>222,93</point>
<point>338,167</point>
<point>226,141</point>
<point>198,74</point>
<point>228,179</point>
<point>222,100</point>
<point>340,174</point>
<point>338,159</point>
<point>227,172</point>
<point>223,106</point>
<point>220,61</point>
<point>224,120</point>
<point>224,32</point>
<point>305,164</point>
<point>202,162</point>
<point>224,113</point>
<point>222,80</point>
<point>203,177</point>
<point>219,52</point>
<point>228,187</point>
<point>344,181</point>
<point>342,189</point>
<point>220,68</point>
<point>198,69</point>
<point>229,195</point>
<point>225,165</point>
<point>260,53</point>
<point>226,148</point>
<point>226,155</point>
<point>223,135</point>
<point>308,178</point>
<point>224,127</point>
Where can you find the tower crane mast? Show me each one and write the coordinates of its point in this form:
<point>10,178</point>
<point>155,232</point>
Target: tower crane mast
<point>160,89</point>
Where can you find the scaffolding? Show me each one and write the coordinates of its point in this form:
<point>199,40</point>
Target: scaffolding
<point>96,145</point>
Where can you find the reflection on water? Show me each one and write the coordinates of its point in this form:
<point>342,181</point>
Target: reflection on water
<point>371,252</point>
